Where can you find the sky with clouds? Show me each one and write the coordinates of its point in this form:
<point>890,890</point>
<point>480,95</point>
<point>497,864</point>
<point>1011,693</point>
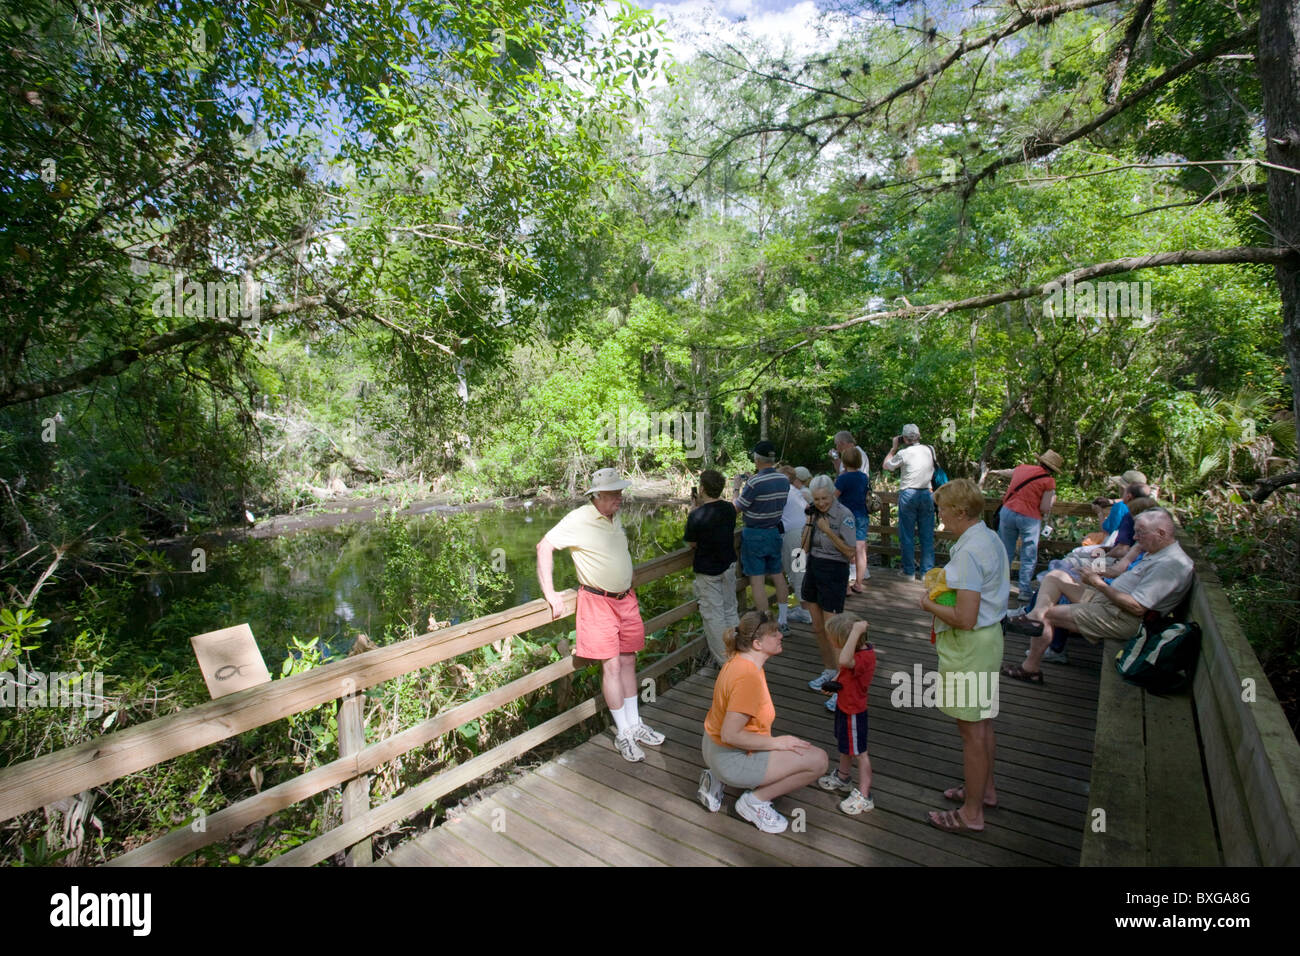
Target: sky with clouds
<point>692,23</point>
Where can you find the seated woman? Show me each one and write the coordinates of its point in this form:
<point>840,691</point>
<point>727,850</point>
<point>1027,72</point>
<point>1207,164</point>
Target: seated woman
<point>1101,507</point>
<point>738,746</point>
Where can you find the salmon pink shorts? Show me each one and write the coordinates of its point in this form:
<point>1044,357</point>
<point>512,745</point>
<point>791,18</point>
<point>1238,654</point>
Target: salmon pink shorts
<point>607,628</point>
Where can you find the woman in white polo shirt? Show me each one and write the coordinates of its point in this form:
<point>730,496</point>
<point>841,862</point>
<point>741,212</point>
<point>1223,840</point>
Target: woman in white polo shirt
<point>969,644</point>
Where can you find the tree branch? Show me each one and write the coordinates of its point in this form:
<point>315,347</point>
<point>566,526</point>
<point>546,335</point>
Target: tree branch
<point>119,362</point>
<point>1034,147</point>
<point>1038,16</point>
<point>1124,50</point>
<point>1186,257</point>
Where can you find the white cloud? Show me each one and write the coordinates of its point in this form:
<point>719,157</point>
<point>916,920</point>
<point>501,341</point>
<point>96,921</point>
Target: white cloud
<point>796,28</point>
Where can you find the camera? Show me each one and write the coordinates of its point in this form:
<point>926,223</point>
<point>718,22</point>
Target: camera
<point>833,686</point>
<point>811,511</point>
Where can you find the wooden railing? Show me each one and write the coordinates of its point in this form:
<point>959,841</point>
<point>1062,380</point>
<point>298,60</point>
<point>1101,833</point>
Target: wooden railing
<point>1252,758</point>
<point>884,523</point>
<point>37,783</point>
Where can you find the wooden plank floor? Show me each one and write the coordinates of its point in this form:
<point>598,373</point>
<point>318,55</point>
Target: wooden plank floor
<point>589,807</point>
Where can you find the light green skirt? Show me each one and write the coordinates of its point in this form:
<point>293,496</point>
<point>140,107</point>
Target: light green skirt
<point>969,666</point>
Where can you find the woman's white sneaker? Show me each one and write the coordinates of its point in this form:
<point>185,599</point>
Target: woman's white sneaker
<point>710,792</point>
<point>762,815</point>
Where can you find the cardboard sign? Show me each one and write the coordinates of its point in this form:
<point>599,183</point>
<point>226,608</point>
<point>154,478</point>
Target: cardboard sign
<point>230,660</point>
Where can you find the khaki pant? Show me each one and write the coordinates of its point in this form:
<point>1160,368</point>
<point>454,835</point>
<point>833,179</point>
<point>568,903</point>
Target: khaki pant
<point>1096,618</point>
<point>717,596</point>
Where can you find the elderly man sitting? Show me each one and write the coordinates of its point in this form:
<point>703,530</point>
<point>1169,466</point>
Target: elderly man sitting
<point>1158,582</point>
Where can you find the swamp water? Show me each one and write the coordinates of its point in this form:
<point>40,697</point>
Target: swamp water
<point>381,576</point>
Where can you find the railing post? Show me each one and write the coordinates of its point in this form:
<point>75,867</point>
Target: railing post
<point>352,739</point>
<point>564,685</point>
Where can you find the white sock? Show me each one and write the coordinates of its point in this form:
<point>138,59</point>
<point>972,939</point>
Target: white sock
<point>782,614</point>
<point>629,708</point>
<point>620,719</point>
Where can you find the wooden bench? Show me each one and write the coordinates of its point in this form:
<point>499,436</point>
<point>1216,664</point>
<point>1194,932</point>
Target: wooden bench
<point>1207,777</point>
<point>1149,801</point>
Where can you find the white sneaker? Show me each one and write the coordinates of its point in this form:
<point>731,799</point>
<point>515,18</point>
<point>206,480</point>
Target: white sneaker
<point>710,792</point>
<point>800,616</point>
<point>823,677</point>
<point>832,702</point>
<point>762,815</point>
<point>856,803</point>
<point>628,749</point>
<point>642,734</point>
<point>833,781</point>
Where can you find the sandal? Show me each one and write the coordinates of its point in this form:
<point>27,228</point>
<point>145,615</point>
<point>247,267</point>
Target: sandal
<point>951,821</point>
<point>856,589</point>
<point>958,795</point>
<point>1016,672</point>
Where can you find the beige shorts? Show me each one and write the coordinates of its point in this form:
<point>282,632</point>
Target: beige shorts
<point>1096,618</point>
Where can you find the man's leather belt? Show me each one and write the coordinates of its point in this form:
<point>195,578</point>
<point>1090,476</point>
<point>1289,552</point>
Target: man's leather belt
<point>609,594</point>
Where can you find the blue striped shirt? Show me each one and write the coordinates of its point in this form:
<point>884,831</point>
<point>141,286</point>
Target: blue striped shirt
<point>762,500</point>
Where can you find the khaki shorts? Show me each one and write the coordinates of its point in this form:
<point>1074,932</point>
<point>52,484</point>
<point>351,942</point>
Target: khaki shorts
<point>736,768</point>
<point>1096,618</point>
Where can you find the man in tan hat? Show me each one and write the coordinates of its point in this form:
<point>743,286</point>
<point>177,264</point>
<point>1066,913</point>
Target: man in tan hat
<point>1031,492</point>
<point>610,629</point>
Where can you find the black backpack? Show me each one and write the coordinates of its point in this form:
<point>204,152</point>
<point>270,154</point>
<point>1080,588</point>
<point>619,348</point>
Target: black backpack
<point>1162,658</point>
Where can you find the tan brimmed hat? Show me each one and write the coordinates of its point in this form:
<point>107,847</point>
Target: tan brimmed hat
<point>1051,460</point>
<point>607,479</point>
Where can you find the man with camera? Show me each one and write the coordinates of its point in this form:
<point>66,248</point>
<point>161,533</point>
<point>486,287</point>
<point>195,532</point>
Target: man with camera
<point>915,504</point>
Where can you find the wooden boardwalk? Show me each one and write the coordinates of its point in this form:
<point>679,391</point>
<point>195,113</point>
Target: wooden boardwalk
<point>589,807</point>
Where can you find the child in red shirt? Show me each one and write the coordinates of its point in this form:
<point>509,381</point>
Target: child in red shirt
<point>857,660</point>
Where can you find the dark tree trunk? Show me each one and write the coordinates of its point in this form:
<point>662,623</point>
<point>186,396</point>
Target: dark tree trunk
<point>1279,76</point>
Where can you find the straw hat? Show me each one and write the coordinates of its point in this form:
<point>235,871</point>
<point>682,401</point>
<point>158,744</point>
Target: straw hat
<point>1051,460</point>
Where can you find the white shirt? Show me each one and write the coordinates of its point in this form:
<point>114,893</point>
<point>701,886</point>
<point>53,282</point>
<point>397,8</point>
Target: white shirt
<point>978,562</point>
<point>793,517</point>
<point>917,463</point>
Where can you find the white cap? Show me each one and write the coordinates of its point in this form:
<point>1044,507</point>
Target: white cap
<point>911,431</point>
<point>607,479</point>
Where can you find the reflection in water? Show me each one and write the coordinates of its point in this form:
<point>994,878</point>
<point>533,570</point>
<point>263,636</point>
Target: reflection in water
<point>328,583</point>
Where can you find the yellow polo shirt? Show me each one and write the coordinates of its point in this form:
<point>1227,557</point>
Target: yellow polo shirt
<point>598,546</point>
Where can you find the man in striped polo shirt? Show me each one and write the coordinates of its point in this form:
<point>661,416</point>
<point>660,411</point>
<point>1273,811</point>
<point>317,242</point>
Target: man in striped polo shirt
<point>760,505</point>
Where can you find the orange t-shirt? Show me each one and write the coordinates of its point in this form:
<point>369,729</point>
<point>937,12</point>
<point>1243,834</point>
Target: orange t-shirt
<point>741,687</point>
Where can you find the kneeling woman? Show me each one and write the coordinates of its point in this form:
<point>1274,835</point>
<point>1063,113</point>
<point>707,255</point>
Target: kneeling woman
<point>738,745</point>
<point>969,644</point>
